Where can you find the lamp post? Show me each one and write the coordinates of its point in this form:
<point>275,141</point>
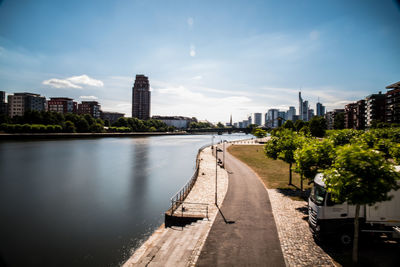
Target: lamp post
<point>216,173</point>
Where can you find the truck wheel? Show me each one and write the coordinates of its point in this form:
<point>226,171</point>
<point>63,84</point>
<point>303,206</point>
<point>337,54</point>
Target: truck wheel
<point>345,239</point>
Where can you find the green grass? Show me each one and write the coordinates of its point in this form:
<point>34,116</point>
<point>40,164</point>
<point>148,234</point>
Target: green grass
<point>274,173</point>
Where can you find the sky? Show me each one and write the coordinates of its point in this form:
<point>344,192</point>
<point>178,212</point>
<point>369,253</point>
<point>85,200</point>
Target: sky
<point>204,59</point>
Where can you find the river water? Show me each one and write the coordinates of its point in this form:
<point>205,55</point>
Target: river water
<point>88,202</point>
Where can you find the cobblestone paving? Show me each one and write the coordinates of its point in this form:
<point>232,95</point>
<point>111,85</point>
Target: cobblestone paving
<point>298,245</point>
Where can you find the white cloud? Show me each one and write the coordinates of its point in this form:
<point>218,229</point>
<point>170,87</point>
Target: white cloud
<point>58,83</point>
<point>91,97</point>
<point>86,80</point>
<point>73,82</point>
<point>192,51</point>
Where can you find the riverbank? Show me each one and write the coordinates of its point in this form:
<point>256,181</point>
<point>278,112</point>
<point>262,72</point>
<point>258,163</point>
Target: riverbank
<point>181,246</point>
<point>30,136</point>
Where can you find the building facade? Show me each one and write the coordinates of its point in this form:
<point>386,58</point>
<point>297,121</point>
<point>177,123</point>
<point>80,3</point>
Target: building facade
<point>141,98</point>
<point>257,119</point>
<point>3,104</point>
<point>330,118</point>
<point>89,107</point>
<point>374,108</point>
<point>62,105</point>
<point>178,122</point>
<point>303,109</point>
<point>349,115</point>
<point>111,116</point>
<point>392,103</point>
<point>271,118</point>
<point>320,109</point>
<point>19,103</point>
<point>290,113</point>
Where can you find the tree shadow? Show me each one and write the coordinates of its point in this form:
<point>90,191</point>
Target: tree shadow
<point>373,252</point>
<point>295,193</point>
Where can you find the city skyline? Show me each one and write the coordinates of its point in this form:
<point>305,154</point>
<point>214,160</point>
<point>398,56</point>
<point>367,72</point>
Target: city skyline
<point>203,60</point>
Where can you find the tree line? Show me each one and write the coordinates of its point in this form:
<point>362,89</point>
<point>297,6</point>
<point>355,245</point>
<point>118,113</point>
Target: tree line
<point>53,122</point>
<point>357,165</point>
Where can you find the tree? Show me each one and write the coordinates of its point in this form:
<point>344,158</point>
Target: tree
<point>361,177</point>
<point>259,133</point>
<point>317,126</point>
<point>82,125</point>
<point>299,124</point>
<point>282,146</point>
<point>338,122</point>
<point>289,125</point>
<point>313,156</point>
<point>69,127</point>
<point>220,125</point>
<point>96,128</point>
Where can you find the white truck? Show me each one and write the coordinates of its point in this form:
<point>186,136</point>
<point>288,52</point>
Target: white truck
<point>328,219</point>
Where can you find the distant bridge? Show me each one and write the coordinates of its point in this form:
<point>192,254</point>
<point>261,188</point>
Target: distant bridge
<point>221,130</point>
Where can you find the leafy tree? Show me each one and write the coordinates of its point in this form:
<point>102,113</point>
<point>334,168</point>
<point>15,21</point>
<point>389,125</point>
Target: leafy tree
<point>82,125</point>
<point>360,177</point>
<point>107,123</point>
<point>96,128</point>
<point>299,124</point>
<point>313,156</point>
<point>317,126</point>
<point>69,127</point>
<point>289,125</point>
<point>220,125</point>
<point>90,120</point>
<point>259,133</point>
<point>338,123</point>
<point>342,137</point>
<point>282,146</point>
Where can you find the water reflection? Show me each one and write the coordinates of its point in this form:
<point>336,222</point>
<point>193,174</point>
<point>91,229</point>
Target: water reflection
<point>87,202</point>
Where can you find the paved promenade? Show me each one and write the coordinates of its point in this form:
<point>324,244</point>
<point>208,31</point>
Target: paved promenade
<point>244,232</point>
<point>181,246</point>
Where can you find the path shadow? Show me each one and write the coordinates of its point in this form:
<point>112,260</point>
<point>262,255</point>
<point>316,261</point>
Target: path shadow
<point>223,217</point>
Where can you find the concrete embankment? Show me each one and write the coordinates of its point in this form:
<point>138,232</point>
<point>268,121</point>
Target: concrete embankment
<point>181,246</point>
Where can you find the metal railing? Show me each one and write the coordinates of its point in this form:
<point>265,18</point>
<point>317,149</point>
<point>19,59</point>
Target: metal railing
<point>180,196</point>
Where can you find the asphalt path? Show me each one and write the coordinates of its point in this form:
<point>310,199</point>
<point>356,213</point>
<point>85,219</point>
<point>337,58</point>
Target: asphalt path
<point>244,232</point>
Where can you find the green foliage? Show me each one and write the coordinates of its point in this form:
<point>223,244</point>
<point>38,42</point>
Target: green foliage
<point>314,155</point>
<point>82,126</point>
<point>289,125</point>
<point>342,137</point>
<point>338,123</point>
<point>360,176</point>
<point>96,128</point>
<point>69,127</point>
<point>220,125</point>
<point>200,125</point>
<point>259,133</point>
<point>317,126</point>
<point>299,124</point>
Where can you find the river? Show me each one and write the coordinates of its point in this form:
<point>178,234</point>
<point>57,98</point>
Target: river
<point>88,202</point>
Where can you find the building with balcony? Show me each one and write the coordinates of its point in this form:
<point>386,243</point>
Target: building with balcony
<point>19,103</point>
<point>330,118</point>
<point>374,108</point>
<point>392,103</point>
<point>62,105</point>
<point>89,107</point>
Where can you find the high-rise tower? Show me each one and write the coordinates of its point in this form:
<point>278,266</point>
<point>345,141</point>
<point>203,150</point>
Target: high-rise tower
<point>141,98</point>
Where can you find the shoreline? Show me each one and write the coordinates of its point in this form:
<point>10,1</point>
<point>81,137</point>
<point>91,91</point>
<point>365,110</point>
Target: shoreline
<point>28,136</point>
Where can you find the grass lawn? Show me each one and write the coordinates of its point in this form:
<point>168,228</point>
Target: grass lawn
<point>274,173</point>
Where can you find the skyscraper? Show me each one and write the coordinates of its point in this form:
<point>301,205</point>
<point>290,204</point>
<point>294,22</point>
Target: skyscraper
<point>320,109</point>
<point>141,98</point>
<point>303,109</point>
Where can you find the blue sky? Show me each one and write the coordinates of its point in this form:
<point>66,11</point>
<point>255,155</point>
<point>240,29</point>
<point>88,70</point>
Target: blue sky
<point>207,59</point>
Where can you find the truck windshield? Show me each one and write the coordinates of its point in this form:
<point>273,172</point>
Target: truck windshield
<point>318,194</point>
